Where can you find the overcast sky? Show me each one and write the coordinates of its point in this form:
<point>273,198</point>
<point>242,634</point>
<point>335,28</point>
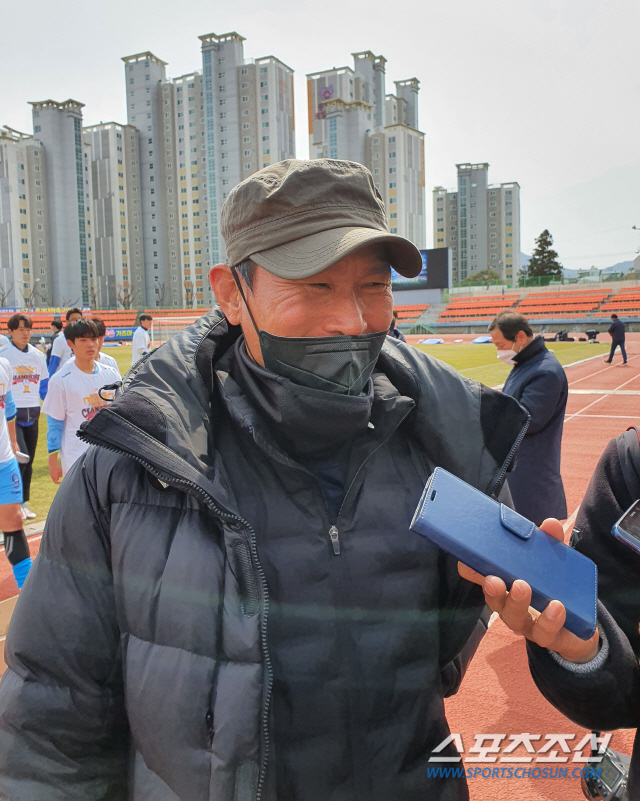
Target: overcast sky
<point>546,91</point>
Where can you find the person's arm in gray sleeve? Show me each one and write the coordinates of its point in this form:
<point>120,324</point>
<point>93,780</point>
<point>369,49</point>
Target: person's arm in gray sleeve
<point>63,730</point>
<point>540,398</point>
<point>601,695</point>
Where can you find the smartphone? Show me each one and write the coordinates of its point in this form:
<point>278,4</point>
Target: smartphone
<point>22,458</point>
<point>627,529</point>
<point>496,541</point>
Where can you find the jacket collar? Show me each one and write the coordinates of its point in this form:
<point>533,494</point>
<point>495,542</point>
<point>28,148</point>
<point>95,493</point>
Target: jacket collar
<point>163,416</point>
<point>532,350</point>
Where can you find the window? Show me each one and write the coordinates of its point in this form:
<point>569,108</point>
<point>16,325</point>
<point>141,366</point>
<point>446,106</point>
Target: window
<point>247,152</point>
<point>375,141</point>
<point>245,125</point>
<point>265,124</point>
<point>376,171</point>
<point>392,185</point>
<point>245,99</point>
<point>392,155</point>
<point>247,166</point>
<point>244,71</point>
<point>264,97</point>
<point>393,200</point>
<point>37,129</point>
<point>264,111</point>
<point>392,169</point>
<point>263,69</point>
<point>265,138</point>
<point>392,139</point>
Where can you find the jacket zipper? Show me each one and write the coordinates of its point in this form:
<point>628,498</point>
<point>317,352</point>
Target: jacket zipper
<point>510,455</point>
<point>210,502</point>
<point>334,534</point>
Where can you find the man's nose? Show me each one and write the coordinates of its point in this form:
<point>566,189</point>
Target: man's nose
<point>346,318</point>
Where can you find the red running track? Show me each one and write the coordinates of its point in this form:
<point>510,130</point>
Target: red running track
<point>498,694</point>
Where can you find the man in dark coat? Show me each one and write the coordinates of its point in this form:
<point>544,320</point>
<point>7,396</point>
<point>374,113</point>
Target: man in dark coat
<point>616,332</point>
<point>228,603</point>
<point>596,683</point>
<point>539,383</point>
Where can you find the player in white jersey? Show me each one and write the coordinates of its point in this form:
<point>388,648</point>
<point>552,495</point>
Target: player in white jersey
<point>75,395</point>
<point>15,542</point>
<point>103,359</point>
<point>141,342</point>
<point>60,350</point>
<point>30,378</point>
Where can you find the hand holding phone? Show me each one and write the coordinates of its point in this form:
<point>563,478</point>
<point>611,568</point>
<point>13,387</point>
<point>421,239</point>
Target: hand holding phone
<point>546,629</point>
<point>519,565</point>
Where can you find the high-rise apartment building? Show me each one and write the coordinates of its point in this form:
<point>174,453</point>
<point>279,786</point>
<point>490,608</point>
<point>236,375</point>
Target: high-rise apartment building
<point>200,135</point>
<point>25,278</point>
<point>186,176</point>
<point>249,120</point>
<point>144,77</point>
<point>480,222</point>
<point>116,238</point>
<point>57,127</point>
<point>351,117</point>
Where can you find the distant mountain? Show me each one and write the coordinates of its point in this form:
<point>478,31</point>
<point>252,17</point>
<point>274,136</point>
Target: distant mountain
<point>620,267</point>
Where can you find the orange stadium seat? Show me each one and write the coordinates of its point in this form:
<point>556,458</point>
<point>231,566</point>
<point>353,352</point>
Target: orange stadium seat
<point>410,313</point>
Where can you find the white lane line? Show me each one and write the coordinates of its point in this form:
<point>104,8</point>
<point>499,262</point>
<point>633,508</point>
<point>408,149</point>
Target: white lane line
<point>604,369</point>
<point>593,403</point>
<point>605,391</point>
<point>613,416</point>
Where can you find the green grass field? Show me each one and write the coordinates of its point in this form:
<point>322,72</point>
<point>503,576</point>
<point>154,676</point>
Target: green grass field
<point>480,362</point>
<point>474,361</point>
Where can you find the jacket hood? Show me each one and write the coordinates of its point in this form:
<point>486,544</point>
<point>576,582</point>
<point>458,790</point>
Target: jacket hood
<point>164,414</point>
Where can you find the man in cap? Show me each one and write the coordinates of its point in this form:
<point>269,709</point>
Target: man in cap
<point>241,610</point>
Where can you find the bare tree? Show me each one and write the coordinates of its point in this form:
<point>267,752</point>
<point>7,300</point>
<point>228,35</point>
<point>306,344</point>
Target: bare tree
<point>188,293</point>
<point>4,294</point>
<point>70,304</point>
<point>93,296</point>
<point>126,296</point>
<point>160,292</point>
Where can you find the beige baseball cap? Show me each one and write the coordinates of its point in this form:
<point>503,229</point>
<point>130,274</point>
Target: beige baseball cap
<point>296,218</point>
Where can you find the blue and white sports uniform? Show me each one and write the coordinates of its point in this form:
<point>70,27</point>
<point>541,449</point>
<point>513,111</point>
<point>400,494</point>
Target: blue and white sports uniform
<point>10,480</point>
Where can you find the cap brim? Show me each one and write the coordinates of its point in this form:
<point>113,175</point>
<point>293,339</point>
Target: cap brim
<point>313,254</point>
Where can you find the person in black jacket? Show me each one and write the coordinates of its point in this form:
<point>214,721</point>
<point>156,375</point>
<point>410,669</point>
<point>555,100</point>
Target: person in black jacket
<point>617,333</point>
<point>538,381</point>
<point>229,603</point>
<point>596,683</point>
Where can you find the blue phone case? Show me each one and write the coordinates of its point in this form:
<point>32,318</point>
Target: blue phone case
<point>496,541</point>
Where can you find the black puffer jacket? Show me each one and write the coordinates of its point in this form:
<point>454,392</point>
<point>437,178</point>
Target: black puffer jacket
<point>144,646</point>
<point>609,697</point>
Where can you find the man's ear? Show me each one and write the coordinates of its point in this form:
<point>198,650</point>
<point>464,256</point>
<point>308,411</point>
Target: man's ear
<point>226,292</point>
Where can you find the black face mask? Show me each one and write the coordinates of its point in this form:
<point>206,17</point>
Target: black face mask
<point>340,364</point>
